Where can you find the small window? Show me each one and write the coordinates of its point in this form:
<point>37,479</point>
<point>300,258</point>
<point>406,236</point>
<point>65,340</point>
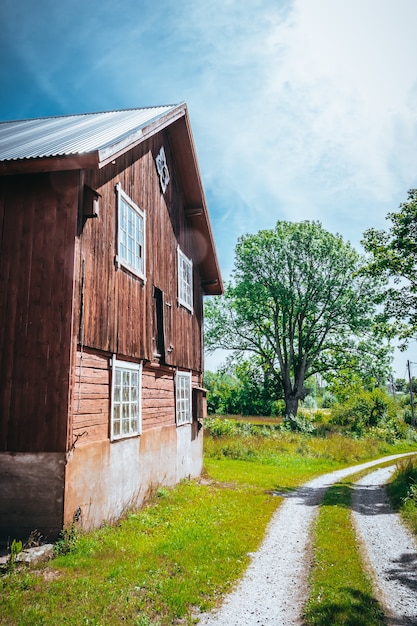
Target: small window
<point>185,281</point>
<point>130,234</point>
<point>162,167</point>
<point>183,397</point>
<point>126,414</point>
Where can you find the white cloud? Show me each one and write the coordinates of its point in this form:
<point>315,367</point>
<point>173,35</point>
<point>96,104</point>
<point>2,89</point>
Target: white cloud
<point>308,108</point>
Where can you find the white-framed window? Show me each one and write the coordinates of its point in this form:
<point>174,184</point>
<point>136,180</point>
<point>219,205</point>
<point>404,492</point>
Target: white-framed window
<point>130,234</point>
<point>185,280</point>
<point>126,399</point>
<point>183,398</point>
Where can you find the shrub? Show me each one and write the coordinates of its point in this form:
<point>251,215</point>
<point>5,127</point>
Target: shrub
<point>300,423</point>
<point>328,400</point>
<point>364,410</point>
<point>310,402</point>
<point>67,541</point>
<point>220,427</point>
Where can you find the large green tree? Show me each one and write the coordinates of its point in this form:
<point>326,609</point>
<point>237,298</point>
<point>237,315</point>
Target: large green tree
<point>298,301</point>
<point>394,258</point>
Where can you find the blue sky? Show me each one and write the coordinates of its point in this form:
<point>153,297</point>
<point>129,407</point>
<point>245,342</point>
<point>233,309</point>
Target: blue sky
<point>299,109</point>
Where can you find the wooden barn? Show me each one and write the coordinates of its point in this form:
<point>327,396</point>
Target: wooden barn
<point>106,253</point>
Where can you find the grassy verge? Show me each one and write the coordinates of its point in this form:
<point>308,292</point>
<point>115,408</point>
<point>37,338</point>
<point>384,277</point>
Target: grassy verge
<point>163,564</point>
<point>341,592</point>
<point>402,491</point>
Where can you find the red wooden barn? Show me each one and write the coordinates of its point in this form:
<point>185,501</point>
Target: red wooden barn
<point>106,252</point>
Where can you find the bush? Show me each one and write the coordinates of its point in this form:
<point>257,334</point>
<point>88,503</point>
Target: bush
<point>300,423</point>
<point>220,427</point>
<point>328,400</point>
<point>364,410</point>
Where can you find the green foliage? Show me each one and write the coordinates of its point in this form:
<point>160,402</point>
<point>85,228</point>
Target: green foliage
<point>241,387</point>
<point>278,408</point>
<point>394,258</point>
<point>274,444</point>
<point>220,427</point>
<point>370,411</point>
<point>67,541</point>
<point>402,491</point>
<point>15,549</point>
<point>300,304</point>
<point>301,422</point>
<point>328,400</point>
<point>400,385</point>
<point>223,393</point>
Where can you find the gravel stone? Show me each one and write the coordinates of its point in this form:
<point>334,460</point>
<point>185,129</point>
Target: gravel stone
<point>391,550</point>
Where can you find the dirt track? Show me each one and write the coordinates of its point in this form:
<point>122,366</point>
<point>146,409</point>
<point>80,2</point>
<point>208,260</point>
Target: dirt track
<point>274,587</point>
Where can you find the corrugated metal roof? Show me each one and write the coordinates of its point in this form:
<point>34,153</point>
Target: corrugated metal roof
<point>73,134</point>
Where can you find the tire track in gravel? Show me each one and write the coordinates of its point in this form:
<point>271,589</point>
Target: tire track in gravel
<point>390,549</point>
<point>274,587</point>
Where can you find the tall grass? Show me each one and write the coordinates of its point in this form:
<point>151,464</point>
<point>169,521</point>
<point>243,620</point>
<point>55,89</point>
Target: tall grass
<point>402,491</point>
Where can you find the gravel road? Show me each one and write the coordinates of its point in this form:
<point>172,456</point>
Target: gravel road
<point>390,549</point>
<point>274,587</point>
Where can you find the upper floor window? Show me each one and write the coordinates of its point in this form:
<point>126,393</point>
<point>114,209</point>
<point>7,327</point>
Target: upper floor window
<point>126,418</point>
<point>130,234</point>
<point>185,280</point>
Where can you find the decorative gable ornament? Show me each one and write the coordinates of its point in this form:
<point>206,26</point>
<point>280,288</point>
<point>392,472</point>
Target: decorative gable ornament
<point>162,167</point>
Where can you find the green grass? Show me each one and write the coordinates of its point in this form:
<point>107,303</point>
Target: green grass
<point>402,491</point>
<point>340,590</point>
<point>180,554</point>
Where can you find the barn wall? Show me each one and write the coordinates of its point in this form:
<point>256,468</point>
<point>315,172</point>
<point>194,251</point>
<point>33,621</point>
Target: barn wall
<point>105,479</point>
<point>38,222</point>
<point>91,383</point>
<point>117,307</point>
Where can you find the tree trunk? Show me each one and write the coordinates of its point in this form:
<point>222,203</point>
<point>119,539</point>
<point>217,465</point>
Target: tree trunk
<point>291,406</point>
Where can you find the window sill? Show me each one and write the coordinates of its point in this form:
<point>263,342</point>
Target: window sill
<point>124,437</point>
<point>121,265</point>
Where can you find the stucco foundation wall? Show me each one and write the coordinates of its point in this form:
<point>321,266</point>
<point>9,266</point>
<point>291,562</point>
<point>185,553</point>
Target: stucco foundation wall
<point>189,451</point>
<point>31,494</point>
<point>105,479</point>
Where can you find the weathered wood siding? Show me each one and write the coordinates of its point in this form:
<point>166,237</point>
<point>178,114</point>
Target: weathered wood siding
<point>92,398</point>
<point>38,221</point>
<point>117,314</point>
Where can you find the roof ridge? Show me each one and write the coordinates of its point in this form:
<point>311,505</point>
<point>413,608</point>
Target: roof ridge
<point>68,115</point>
